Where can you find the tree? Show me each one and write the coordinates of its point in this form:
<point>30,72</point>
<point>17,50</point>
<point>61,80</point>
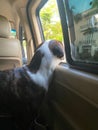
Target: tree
<point>50,21</point>
<point>94,3</point>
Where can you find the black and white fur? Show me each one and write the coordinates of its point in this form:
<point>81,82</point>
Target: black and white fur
<point>22,90</point>
<point>49,61</point>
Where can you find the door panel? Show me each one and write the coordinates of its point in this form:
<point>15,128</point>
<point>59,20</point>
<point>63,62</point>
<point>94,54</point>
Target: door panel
<point>74,99</point>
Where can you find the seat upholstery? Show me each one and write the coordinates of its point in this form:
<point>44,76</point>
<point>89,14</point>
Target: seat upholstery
<point>10,48</point>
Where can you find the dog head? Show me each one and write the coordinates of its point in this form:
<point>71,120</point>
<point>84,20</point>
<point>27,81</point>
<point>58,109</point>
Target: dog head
<point>49,53</point>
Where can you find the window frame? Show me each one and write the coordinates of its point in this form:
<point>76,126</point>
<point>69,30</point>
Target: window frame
<point>42,3</point>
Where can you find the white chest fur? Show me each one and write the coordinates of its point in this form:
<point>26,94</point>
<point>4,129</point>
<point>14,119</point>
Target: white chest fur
<point>41,78</point>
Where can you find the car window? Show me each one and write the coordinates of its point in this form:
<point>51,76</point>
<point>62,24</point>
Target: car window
<point>83,29</point>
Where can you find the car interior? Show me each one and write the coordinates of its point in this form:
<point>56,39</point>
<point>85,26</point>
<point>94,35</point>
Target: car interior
<point>72,98</point>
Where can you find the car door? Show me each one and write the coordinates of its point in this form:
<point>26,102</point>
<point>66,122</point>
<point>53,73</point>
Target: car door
<point>73,94</point>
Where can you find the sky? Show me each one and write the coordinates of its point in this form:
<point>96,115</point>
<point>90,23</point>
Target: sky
<point>80,5</point>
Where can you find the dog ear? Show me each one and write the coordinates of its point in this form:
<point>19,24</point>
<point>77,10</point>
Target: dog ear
<point>36,61</point>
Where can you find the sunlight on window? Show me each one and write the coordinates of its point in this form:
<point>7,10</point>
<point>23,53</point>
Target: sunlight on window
<point>51,21</point>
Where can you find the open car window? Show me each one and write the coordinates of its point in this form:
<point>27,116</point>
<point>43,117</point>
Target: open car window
<point>50,20</point>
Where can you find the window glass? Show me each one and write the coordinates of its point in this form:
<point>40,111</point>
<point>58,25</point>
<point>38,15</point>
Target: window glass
<point>82,18</point>
<point>50,20</point>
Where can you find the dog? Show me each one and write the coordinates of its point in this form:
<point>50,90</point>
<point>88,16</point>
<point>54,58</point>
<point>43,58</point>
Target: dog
<point>22,90</point>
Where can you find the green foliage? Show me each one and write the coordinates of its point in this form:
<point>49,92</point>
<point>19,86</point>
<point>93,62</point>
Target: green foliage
<point>95,3</point>
<point>50,21</point>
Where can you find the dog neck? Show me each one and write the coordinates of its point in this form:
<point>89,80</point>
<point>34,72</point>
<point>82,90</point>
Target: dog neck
<point>44,75</point>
